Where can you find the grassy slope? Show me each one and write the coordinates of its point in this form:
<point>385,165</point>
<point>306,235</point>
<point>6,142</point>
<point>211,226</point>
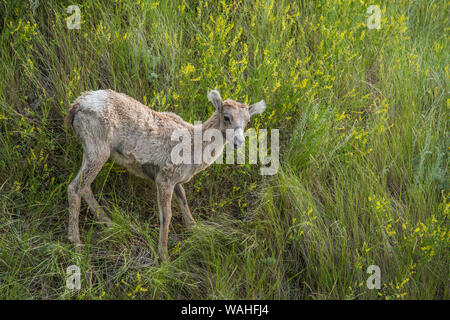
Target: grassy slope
<point>363,118</point>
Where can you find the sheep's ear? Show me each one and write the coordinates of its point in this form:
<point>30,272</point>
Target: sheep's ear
<point>257,108</point>
<point>215,98</point>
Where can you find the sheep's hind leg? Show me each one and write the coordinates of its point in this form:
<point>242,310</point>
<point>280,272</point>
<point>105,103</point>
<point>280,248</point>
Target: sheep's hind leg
<point>180,195</point>
<point>81,187</point>
<point>93,166</point>
<point>96,210</point>
<point>74,210</point>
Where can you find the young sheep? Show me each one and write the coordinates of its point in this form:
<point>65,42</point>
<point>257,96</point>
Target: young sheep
<point>114,125</point>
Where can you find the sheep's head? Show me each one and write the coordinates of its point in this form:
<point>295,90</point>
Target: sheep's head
<point>235,116</point>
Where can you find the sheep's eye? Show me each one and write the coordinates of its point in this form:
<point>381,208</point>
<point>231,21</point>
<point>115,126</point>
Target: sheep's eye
<point>227,119</point>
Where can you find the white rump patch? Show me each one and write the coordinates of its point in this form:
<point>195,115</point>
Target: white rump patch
<point>95,100</point>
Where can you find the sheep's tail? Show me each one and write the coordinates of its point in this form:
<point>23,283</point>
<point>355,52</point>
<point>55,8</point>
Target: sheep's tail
<point>68,120</point>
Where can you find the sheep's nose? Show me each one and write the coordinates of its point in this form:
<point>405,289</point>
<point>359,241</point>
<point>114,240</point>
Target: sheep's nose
<point>236,145</point>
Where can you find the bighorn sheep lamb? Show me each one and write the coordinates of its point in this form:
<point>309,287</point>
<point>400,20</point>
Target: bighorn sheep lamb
<point>114,125</point>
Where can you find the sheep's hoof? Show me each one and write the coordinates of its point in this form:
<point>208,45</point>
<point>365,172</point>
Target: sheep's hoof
<point>190,223</point>
<point>163,255</point>
<point>103,218</point>
<point>107,221</point>
<point>75,240</point>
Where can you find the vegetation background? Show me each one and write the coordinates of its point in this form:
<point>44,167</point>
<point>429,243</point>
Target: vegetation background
<point>362,113</point>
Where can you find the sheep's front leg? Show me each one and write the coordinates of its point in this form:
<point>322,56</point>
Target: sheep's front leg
<point>165,191</point>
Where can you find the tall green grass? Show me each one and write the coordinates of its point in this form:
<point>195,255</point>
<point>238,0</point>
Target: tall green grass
<point>363,118</point>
